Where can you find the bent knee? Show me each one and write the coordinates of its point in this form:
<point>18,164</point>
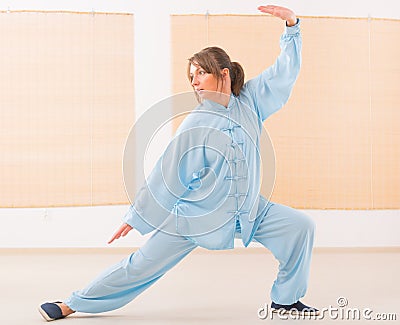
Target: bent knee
<point>299,220</point>
<point>305,223</point>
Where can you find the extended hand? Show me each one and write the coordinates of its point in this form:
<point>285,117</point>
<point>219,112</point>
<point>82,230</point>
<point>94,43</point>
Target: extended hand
<point>280,12</point>
<point>122,231</point>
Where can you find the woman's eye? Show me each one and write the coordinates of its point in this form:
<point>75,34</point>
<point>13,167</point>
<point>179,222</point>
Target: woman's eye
<point>202,72</point>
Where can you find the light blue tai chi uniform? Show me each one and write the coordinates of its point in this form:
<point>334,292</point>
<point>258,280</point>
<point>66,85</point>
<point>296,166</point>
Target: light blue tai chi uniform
<point>205,190</point>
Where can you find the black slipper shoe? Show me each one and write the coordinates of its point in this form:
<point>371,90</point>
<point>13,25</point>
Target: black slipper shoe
<point>51,311</point>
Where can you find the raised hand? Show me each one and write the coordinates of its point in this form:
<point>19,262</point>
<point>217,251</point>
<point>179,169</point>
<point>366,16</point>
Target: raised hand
<point>280,12</point>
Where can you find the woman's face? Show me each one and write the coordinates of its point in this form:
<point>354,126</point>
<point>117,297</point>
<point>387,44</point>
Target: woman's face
<point>203,82</point>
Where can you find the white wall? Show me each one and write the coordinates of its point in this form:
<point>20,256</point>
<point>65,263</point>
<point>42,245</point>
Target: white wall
<point>92,226</point>
<point>345,8</point>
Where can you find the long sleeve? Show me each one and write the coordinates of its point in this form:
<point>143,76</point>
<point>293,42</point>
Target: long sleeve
<point>153,202</point>
<point>271,89</point>
<point>173,175</point>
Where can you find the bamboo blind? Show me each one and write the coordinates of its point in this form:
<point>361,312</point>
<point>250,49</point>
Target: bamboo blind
<point>66,106</point>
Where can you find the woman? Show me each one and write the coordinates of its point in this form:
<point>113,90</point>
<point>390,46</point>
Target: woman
<point>212,194</point>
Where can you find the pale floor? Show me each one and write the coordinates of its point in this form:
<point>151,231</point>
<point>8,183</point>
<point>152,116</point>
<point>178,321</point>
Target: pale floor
<point>206,288</point>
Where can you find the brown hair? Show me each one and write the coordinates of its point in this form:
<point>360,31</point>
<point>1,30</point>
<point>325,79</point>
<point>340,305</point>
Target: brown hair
<point>213,60</point>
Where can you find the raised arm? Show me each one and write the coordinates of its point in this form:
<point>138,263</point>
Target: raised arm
<point>271,89</point>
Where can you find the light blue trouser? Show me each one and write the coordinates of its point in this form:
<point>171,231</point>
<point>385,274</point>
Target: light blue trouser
<point>286,232</point>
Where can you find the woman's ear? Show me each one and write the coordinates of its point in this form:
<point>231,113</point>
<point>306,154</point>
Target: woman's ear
<point>225,72</point>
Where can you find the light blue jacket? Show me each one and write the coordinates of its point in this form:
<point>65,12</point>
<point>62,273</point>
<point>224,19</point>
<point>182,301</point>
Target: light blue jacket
<point>207,182</point>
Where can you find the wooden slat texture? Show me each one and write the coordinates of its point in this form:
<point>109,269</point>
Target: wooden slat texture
<point>66,106</point>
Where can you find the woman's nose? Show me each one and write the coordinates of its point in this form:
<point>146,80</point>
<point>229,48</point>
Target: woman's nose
<point>195,81</point>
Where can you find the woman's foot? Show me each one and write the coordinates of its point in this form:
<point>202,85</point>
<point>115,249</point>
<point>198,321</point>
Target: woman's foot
<point>296,308</point>
<point>54,310</point>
